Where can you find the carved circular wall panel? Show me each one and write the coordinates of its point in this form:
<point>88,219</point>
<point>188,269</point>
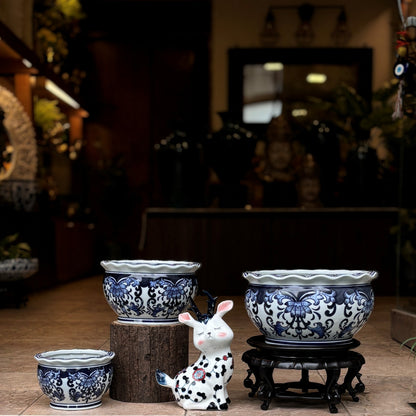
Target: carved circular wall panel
<point>21,134</point>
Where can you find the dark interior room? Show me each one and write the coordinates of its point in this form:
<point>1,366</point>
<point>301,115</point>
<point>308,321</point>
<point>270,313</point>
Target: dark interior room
<point>231,144</point>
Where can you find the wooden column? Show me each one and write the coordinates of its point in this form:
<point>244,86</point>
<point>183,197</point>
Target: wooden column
<point>140,350</point>
<point>23,91</point>
<point>76,127</point>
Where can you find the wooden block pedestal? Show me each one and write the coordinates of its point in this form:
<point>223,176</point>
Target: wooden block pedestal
<point>140,350</point>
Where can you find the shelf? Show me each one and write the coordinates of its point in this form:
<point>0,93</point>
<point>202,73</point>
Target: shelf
<point>32,76</point>
<point>15,55</point>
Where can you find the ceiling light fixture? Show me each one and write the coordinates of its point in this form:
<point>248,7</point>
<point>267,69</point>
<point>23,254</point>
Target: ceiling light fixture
<point>27,63</point>
<point>341,34</point>
<point>273,66</point>
<point>316,78</point>
<point>61,94</point>
<point>269,35</point>
<point>299,112</point>
<point>304,33</point>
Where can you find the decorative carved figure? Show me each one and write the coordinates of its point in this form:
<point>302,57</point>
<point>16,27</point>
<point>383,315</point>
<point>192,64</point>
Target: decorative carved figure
<point>203,385</point>
<point>405,70</point>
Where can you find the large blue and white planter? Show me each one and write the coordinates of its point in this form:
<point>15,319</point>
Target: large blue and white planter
<point>149,291</point>
<point>309,307</point>
<point>75,379</point>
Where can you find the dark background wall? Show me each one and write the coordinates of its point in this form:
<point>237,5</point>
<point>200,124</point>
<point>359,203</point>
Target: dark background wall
<point>147,66</point>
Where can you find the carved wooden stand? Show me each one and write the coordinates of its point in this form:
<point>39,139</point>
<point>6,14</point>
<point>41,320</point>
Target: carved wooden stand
<point>266,357</point>
<point>140,350</point>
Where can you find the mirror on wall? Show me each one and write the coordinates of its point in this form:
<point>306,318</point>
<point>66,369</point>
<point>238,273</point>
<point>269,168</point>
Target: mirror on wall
<point>265,82</point>
<point>307,107</point>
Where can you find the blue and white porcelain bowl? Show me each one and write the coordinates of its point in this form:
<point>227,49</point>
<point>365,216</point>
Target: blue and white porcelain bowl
<point>149,291</point>
<point>309,307</point>
<point>17,269</point>
<point>75,379</point>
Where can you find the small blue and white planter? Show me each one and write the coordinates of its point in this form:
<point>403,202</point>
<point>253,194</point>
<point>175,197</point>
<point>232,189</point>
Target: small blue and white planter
<point>309,308</point>
<point>149,291</point>
<point>75,379</point>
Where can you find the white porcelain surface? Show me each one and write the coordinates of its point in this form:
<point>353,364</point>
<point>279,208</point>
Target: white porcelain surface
<point>150,266</point>
<point>310,277</point>
<point>203,385</point>
<point>17,269</point>
<point>149,291</point>
<point>75,379</point>
<point>74,358</point>
<point>309,307</point>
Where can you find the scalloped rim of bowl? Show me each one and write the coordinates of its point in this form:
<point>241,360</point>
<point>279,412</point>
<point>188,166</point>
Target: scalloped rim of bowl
<point>18,268</point>
<point>74,358</point>
<point>7,264</point>
<point>150,266</point>
<point>314,277</point>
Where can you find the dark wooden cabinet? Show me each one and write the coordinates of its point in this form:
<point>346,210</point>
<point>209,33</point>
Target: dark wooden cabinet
<point>230,241</point>
<point>75,249</point>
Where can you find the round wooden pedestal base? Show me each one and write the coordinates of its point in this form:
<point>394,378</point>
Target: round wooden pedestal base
<point>140,350</point>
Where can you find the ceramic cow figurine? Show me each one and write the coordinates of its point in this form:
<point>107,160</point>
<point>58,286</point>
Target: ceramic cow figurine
<point>203,385</point>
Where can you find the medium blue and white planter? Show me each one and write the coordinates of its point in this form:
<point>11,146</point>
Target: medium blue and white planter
<point>149,292</point>
<point>75,379</point>
<point>309,308</point>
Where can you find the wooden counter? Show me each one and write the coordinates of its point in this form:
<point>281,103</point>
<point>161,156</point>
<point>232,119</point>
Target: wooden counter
<point>230,241</point>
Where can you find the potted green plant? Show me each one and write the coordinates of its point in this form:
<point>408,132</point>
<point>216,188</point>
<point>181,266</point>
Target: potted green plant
<point>412,345</point>
<point>16,261</point>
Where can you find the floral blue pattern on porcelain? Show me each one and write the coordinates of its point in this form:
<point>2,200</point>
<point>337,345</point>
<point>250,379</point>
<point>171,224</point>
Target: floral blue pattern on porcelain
<point>317,311</point>
<point>17,269</point>
<point>149,292</point>
<point>75,379</point>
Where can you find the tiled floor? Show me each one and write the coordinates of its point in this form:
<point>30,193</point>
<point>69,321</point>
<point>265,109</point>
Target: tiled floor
<point>76,315</point>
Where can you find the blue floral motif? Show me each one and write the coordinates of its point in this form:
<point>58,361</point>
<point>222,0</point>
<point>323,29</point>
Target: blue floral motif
<point>75,385</point>
<point>50,382</point>
<point>365,303</point>
<point>170,296</point>
<point>347,328</point>
<point>318,329</point>
<point>357,310</point>
<point>174,291</point>
<point>298,309</point>
<point>86,387</point>
<point>120,288</point>
<point>280,329</point>
<point>161,298</point>
<point>309,313</point>
<point>251,295</point>
<point>295,313</point>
